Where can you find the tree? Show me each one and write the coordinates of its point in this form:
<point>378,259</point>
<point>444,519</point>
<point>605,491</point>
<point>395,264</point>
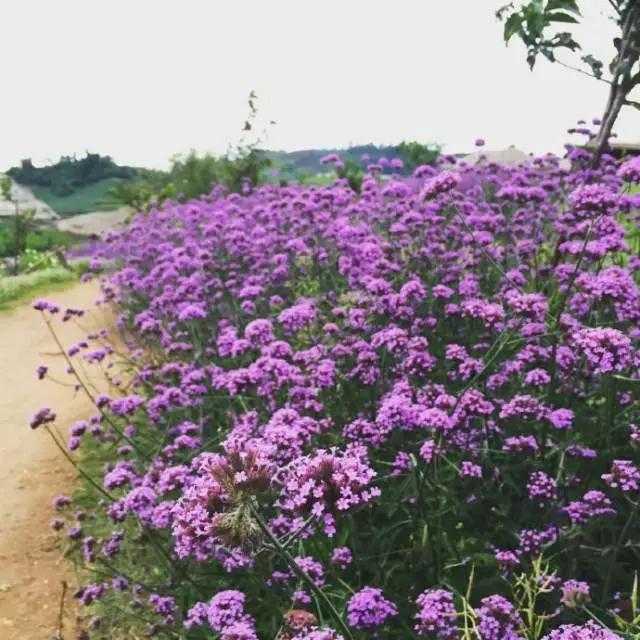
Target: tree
<point>415,154</point>
<point>535,22</point>
<point>21,224</point>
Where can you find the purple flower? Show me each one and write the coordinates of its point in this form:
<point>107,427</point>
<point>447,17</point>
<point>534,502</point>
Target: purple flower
<point>226,608</point>
<point>164,606</point>
<point>575,594</point>
<point>441,183</point>
<point>241,630</point>
<point>45,305</point>
<point>624,475</point>
<point>259,332</point>
<point>629,171</point>
<point>368,609</point>
<point>541,488</point>
<point>43,416</point>
<point>60,502</point>
<point>341,557</point>
<point>594,198</point>
<point>437,617</point>
<point>561,418</point>
<point>497,619</point>
<point>594,504</point>
<point>327,483</point>
<point>588,631</point>
<point>470,470</point>
<point>606,350</point>
<point>297,317</point>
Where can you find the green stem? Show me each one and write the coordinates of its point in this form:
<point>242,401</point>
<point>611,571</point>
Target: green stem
<point>77,467</point>
<point>300,572</point>
<point>88,393</point>
<point>616,550</point>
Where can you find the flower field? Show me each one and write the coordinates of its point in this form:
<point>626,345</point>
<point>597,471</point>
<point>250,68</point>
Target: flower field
<point>409,412</point>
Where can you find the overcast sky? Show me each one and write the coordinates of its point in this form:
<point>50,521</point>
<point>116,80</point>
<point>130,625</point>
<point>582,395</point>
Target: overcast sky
<point>141,80</point>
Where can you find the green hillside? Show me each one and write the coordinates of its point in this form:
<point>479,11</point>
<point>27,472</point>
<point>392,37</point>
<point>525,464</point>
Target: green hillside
<point>74,185</point>
<point>92,197</point>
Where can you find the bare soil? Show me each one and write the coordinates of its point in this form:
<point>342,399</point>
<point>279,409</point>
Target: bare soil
<point>96,222</point>
<point>32,470</point>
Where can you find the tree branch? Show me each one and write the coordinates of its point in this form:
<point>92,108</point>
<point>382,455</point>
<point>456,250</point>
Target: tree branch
<point>582,71</point>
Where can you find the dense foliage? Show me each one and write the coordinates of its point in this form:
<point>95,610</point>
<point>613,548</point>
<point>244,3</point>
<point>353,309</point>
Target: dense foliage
<point>192,176</point>
<point>39,239</point>
<point>408,412</point>
<point>70,173</point>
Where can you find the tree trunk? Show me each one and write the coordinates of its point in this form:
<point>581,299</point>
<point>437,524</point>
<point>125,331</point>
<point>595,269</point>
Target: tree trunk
<point>621,84</point>
<point>616,102</point>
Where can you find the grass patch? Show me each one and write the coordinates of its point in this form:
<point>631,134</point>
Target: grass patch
<point>120,619</point>
<point>17,289</point>
<point>40,239</point>
<point>93,197</point>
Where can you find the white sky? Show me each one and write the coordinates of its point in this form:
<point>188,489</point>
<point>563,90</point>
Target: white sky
<point>141,80</point>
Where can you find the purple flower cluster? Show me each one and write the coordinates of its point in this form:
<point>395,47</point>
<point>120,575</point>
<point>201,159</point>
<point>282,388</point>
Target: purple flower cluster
<point>437,617</point>
<point>360,393</point>
<point>225,614</point>
<point>498,619</point>
<point>588,631</point>
<point>369,609</point>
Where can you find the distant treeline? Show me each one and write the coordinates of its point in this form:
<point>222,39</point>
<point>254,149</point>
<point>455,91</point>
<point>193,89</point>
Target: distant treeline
<point>70,173</point>
<point>63,185</point>
<point>308,160</point>
<point>196,174</point>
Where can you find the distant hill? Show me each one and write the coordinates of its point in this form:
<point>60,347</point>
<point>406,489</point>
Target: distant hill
<point>81,185</point>
<point>74,185</point>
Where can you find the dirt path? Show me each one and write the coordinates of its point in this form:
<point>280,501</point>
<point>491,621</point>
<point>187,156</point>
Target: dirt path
<point>32,470</point>
<point>95,223</point>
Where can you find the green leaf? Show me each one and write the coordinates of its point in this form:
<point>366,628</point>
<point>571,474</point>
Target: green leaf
<point>558,16</point>
<point>512,26</point>
<point>548,54</point>
<point>535,22</point>
<point>565,40</point>
<point>565,5</point>
<point>595,64</point>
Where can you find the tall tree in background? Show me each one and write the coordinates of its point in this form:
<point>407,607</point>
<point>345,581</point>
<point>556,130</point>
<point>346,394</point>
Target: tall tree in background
<point>536,23</point>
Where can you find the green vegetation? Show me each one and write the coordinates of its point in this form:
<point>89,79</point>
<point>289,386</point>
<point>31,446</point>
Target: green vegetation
<point>195,175</point>
<point>70,174</point>
<point>300,166</point>
<point>37,239</point>
<point>19,226</point>
<point>17,289</point>
<point>415,154</point>
<point>72,185</point>
<point>192,176</point>
<point>352,172</point>
<point>97,196</point>
<point>27,247</point>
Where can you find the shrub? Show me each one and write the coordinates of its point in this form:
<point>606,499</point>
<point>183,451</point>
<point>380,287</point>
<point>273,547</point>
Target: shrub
<point>406,412</point>
<point>415,154</point>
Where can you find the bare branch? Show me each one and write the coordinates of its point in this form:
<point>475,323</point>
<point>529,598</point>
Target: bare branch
<point>582,71</point>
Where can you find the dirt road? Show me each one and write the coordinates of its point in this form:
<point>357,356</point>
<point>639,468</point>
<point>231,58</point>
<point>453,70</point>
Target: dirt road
<point>32,470</point>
